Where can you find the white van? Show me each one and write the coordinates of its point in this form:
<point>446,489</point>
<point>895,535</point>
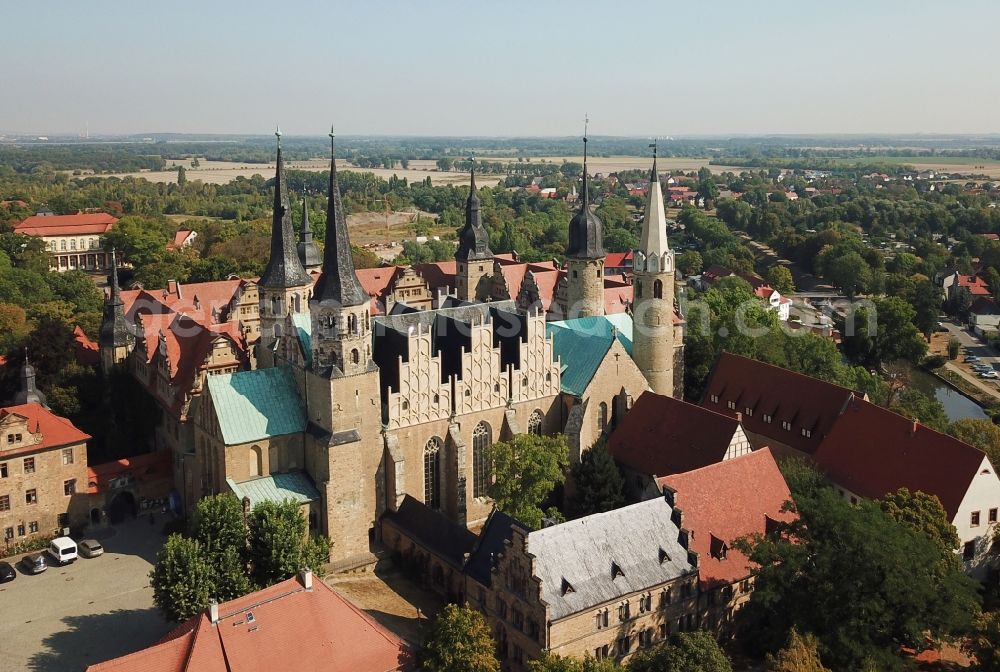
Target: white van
<point>62,550</point>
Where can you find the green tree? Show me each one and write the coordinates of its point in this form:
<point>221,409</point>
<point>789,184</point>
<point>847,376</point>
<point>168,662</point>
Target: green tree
<point>984,642</point>
<point>801,654</point>
<point>894,337</point>
<point>182,579</point>
<point>924,514</point>
<point>982,434</point>
<point>13,325</point>
<point>219,527</point>
<point>863,582</point>
<point>690,263</point>
<point>526,469</point>
<point>850,272</point>
<point>181,176</point>
<point>277,535</point>
<point>954,346</point>
<point>444,164</point>
<point>696,651</point>
<point>598,484</point>
<point>925,298</point>
<point>780,278</point>
<point>459,641</point>
<point>552,663</point>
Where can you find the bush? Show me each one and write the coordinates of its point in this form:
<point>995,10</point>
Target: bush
<point>935,361</point>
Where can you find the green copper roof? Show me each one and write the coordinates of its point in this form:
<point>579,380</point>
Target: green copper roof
<point>293,485</point>
<point>255,405</point>
<point>581,345</point>
<point>303,325</point>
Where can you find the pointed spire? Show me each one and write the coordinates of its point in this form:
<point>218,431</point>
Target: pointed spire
<point>309,254</point>
<point>339,283</point>
<point>653,240</point>
<point>283,268</point>
<point>116,294</point>
<point>473,239</point>
<point>586,231</point>
<point>307,234</point>
<point>114,328</point>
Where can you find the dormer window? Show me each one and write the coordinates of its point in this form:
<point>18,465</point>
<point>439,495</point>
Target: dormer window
<point>785,425</point>
<point>714,398</point>
<point>616,570</point>
<point>767,418</point>
<point>664,556</point>
<point>806,432</point>
<point>731,405</point>
<point>748,412</point>
<point>567,587</point>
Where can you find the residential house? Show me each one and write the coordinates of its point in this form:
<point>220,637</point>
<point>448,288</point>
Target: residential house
<point>297,624</point>
<point>661,436</point>
<point>984,315</point>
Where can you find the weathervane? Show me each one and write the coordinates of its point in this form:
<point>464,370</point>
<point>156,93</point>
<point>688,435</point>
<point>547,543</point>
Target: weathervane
<point>277,134</point>
<point>653,146</point>
<point>332,136</point>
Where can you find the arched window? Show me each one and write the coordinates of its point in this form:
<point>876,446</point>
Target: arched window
<point>602,417</point>
<point>256,461</point>
<point>535,423</point>
<point>275,305</point>
<point>355,356</point>
<point>62,245</point>
<point>276,330</point>
<point>72,244</point>
<point>482,437</point>
<point>352,323</point>
<point>657,289</point>
<point>298,303</point>
<point>432,473</point>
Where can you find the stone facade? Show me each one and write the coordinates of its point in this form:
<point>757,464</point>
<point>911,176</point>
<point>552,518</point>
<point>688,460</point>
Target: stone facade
<point>584,288</point>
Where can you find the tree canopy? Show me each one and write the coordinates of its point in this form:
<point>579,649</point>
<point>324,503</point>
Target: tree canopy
<point>526,469</point>
<point>459,640</point>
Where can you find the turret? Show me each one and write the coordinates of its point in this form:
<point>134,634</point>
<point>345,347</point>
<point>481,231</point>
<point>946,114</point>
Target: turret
<point>28,393</point>
<point>309,254</point>
<point>474,258</point>
<point>284,286</point>
<point>585,257</point>
<point>116,338</point>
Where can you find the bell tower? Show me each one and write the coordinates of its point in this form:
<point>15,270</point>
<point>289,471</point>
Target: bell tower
<point>116,337</point>
<point>585,257</point>
<point>474,259</point>
<point>653,295</point>
<point>284,286</point>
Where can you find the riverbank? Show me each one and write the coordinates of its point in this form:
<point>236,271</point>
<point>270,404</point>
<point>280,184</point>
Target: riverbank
<point>957,383</point>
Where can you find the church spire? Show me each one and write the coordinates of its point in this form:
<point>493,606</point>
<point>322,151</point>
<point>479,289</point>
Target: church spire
<point>586,231</point>
<point>653,241</point>
<point>339,283</point>
<point>309,254</point>
<point>473,240</point>
<point>114,328</point>
<point>283,268</point>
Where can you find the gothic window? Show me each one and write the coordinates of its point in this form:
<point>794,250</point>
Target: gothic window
<point>602,417</point>
<point>481,440</point>
<point>657,289</point>
<point>432,473</point>
<point>535,423</point>
<point>352,324</point>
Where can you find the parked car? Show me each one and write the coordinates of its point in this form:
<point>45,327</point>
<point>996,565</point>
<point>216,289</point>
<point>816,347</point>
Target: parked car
<point>34,563</point>
<point>62,550</point>
<point>989,374</point>
<point>7,572</point>
<point>90,548</point>
<point>971,358</point>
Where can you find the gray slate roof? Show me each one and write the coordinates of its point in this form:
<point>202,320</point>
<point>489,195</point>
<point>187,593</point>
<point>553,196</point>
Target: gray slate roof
<point>582,551</point>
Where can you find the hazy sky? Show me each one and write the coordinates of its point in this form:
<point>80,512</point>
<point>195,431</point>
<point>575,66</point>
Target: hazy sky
<point>500,68</point>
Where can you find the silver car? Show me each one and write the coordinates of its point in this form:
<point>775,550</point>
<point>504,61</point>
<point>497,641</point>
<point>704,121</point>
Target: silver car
<point>90,548</point>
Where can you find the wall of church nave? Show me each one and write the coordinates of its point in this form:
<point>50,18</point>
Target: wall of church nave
<point>261,458</point>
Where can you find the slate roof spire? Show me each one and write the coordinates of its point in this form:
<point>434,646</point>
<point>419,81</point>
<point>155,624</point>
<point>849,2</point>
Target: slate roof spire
<point>29,393</point>
<point>473,240</point>
<point>309,254</point>
<point>339,282</point>
<point>114,327</point>
<point>586,230</point>
<point>283,268</point>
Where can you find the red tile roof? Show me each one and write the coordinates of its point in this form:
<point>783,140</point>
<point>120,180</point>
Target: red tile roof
<point>976,285</point>
<point>144,468</point>
<point>872,451</point>
<point>291,629</point>
<point>618,259</point>
<point>377,282</point>
<point>617,297</point>
<point>661,435</point>
<point>726,501</point>
<point>87,352</point>
<point>807,403</point>
<point>715,272</point>
<point>56,431</point>
<point>439,274</point>
<point>66,225</point>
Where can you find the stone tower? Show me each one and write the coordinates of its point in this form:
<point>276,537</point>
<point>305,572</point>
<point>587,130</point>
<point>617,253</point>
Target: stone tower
<point>585,258</point>
<point>653,295</point>
<point>284,287</point>
<point>116,338</point>
<point>474,257</point>
<point>309,254</point>
<point>342,392</point>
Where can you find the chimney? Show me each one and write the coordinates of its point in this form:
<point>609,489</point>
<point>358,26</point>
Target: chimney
<point>739,417</point>
<point>306,577</point>
<point>213,611</point>
<point>913,430</point>
<point>172,288</point>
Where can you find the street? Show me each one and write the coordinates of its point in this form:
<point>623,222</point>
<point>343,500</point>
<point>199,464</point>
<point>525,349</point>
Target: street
<point>91,610</point>
<point>971,345</point>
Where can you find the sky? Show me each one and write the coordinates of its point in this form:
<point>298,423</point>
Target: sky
<point>511,68</point>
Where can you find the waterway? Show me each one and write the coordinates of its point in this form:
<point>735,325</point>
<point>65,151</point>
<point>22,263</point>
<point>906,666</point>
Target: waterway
<point>956,405</point>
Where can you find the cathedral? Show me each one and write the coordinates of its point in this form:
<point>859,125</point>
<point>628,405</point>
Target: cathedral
<point>347,410</point>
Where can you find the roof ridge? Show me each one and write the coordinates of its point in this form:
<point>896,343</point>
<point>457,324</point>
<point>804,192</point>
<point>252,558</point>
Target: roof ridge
<point>784,370</point>
<point>719,465</point>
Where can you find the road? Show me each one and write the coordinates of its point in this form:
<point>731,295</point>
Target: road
<point>91,610</point>
<point>973,346</point>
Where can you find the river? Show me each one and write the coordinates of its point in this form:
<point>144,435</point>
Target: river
<point>956,405</point>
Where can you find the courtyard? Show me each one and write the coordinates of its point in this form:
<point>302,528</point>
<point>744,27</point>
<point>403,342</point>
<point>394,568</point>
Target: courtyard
<point>91,610</point>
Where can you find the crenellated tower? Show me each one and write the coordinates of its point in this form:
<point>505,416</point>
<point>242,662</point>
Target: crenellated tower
<point>585,257</point>
<point>653,295</point>
<point>284,286</point>
<point>474,257</point>
<point>116,337</point>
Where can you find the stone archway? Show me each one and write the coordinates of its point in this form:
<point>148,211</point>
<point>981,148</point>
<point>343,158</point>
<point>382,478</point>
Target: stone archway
<point>122,506</point>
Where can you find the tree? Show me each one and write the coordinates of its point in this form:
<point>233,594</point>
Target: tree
<point>690,263</point>
<point>182,579</point>
<point>553,663</point>
<point>863,582</point>
<point>13,325</point>
<point>984,642</point>
<point>598,484</point>
<point>696,651</point>
<point>894,337</point>
<point>801,654</point>
<point>219,527</point>
<point>925,298</point>
<point>954,345</point>
<point>982,434</point>
<point>459,641</point>
<point>923,513</point>
<point>780,278</point>
<point>181,176</point>
<point>277,534</point>
<point>850,272</point>
<point>444,164</point>
<point>525,470</point>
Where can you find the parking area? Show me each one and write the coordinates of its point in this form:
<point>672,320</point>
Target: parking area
<point>93,609</point>
<point>974,349</point>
